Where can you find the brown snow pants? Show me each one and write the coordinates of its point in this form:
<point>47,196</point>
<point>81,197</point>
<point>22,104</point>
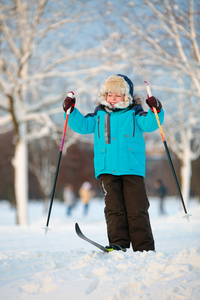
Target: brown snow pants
<point>126,211</point>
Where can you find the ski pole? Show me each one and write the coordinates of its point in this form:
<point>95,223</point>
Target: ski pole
<point>167,151</point>
<point>71,95</point>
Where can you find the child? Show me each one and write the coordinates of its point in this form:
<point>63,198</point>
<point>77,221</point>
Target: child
<point>69,198</point>
<point>86,194</point>
<point>161,191</point>
<point>118,123</point>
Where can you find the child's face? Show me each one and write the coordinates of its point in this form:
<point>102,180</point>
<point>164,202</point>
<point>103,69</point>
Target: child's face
<point>114,98</point>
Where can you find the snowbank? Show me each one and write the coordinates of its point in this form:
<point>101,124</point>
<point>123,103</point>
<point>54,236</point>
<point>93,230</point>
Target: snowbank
<point>60,265</point>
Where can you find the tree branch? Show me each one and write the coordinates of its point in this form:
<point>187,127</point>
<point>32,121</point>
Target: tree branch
<point>193,33</point>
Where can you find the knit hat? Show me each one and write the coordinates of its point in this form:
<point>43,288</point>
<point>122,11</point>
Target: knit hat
<point>117,84</point>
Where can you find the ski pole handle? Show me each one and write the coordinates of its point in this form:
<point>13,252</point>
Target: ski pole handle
<point>71,95</point>
<point>149,94</point>
<point>148,90</point>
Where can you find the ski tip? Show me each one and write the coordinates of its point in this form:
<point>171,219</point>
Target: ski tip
<point>187,217</point>
<point>77,228</point>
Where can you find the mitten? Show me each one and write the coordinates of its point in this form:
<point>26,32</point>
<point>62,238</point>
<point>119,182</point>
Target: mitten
<point>69,102</point>
<point>154,102</point>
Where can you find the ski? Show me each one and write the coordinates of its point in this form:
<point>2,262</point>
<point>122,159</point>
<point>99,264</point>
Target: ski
<point>82,236</point>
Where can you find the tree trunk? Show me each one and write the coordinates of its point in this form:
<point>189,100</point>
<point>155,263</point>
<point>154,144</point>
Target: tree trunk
<point>21,176</point>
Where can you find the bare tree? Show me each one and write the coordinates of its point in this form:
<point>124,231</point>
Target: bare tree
<point>36,58</point>
<point>161,43</point>
<point>43,161</point>
<point>156,39</point>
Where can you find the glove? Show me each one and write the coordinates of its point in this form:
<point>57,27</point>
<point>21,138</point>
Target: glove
<point>154,102</point>
<point>69,102</point>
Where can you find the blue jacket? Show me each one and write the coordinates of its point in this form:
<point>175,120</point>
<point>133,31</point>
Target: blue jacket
<point>119,146</point>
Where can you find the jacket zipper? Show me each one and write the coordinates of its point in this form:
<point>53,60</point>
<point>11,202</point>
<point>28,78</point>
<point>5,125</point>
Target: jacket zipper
<point>98,126</point>
<point>107,128</point>
<point>133,124</point>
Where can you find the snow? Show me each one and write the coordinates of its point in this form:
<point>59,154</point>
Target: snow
<point>59,265</point>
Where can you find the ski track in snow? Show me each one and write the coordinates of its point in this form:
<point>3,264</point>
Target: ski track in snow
<point>62,266</point>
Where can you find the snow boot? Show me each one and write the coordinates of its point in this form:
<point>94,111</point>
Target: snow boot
<point>115,247</point>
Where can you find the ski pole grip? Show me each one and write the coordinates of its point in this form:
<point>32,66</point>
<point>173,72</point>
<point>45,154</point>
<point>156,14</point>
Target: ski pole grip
<point>72,96</point>
<point>148,89</point>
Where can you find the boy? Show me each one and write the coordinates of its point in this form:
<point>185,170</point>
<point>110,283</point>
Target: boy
<point>118,124</point>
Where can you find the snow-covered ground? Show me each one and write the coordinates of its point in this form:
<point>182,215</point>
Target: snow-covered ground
<point>60,265</point>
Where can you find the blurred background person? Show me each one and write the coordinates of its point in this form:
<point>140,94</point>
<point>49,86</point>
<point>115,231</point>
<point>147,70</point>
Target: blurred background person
<point>69,198</point>
<point>86,194</point>
<point>161,192</point>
